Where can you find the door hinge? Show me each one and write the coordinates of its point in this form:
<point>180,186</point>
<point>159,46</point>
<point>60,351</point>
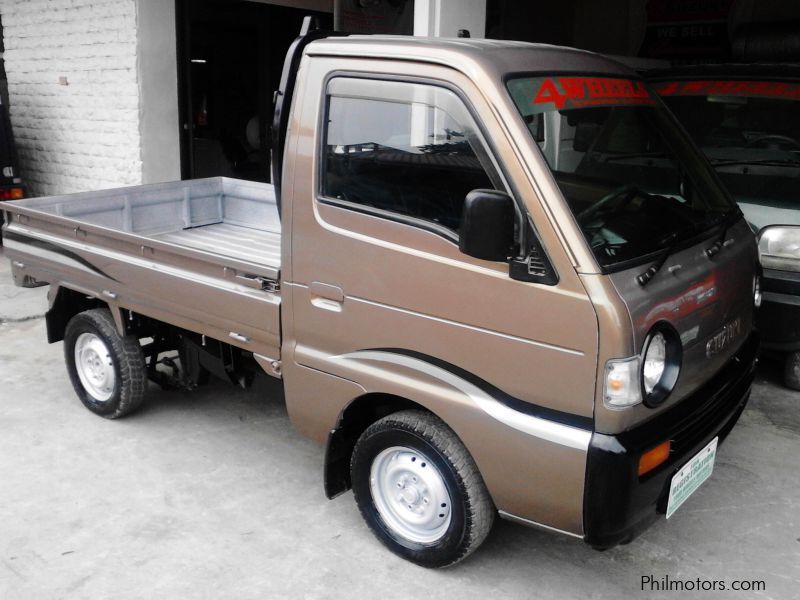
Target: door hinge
<point>259,283</point>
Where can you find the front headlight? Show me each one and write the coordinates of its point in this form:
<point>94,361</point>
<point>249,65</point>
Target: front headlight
<point>661,363</point>
<point>649,377</point>
<point>655,361</point>
<point>779,247</point>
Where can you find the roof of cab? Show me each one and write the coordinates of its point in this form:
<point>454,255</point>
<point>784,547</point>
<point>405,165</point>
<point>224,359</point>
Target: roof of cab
<point>499,57</point>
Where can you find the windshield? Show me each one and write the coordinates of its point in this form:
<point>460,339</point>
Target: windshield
<point>750,131</point>
<point>631,179</point>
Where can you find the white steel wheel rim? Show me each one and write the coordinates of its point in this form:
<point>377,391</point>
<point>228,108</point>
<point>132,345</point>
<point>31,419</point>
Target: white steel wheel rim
<point>95,367</point>
<point>410,495</point>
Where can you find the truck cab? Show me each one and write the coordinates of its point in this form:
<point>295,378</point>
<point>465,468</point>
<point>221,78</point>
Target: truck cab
<point>508,284</point>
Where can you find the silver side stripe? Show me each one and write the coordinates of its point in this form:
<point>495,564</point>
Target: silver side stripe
<point>527,522</point>
<point>129,259</point>
<point>557,433</point>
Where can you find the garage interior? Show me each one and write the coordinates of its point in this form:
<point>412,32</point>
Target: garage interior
<point>230,52</point>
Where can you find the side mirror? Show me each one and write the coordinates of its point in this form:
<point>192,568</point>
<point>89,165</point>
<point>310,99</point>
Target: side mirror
<point>487,225</point>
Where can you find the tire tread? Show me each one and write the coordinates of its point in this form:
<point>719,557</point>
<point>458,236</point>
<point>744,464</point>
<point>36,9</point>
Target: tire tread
<point>480,511</point>
<point>130,360</point>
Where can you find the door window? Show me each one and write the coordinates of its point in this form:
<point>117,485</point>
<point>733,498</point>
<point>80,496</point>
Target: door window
<point>403,149</point>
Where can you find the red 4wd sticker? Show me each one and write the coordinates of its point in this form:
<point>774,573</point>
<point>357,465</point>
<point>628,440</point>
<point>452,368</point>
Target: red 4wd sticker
<point>581,92</point>
<point>761,89</point>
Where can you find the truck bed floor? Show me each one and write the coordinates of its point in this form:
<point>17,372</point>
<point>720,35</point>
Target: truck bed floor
<point>243,243</point>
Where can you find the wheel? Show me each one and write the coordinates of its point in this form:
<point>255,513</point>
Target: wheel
<point>107,370</point>
<point>791,371</point>
<point>419,490</point>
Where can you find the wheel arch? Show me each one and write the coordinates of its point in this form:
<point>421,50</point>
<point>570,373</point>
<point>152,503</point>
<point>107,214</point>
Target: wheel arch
<point>356,417</point>
<point>515,444</point>
<point>66,302</point>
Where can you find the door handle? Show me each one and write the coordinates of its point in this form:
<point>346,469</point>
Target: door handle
<point>326,296</point>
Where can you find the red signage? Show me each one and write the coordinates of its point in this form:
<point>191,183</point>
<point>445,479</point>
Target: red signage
<point>581,92</point>
<point>762,89</point>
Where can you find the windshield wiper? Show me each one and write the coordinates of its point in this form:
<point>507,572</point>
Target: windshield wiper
<point>766,162</point>
<point>671,241</point>
<point>629,155</point>
<point>727,219</point>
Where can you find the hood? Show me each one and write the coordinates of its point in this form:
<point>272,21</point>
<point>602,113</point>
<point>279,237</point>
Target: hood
<point>708,301</point>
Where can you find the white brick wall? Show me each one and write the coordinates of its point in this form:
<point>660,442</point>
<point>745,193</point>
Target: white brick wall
<point>84,135</point>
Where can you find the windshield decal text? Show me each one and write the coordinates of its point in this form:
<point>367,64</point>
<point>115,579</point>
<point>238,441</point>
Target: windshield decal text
<point>581,92</point>
<point>763,89</point>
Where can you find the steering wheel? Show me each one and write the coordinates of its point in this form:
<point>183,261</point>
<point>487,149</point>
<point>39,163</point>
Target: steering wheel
<point>773,137</point>
<point>626,192</point>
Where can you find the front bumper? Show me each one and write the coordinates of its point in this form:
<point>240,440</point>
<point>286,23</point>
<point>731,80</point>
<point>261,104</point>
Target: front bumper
<point>618,504</point>
<point>778,319</point>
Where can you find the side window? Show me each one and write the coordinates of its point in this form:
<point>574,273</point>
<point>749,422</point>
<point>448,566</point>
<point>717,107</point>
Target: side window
<point>408,149</point>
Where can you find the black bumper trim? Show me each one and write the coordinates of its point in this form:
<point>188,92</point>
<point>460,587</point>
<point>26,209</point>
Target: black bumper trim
<point>778,319</point>
<point>781,282</point>
<point>618,504</point>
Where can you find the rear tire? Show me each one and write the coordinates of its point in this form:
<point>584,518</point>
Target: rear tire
<point>107,370</point>
<point>791,371</point>
<point>419,490</point>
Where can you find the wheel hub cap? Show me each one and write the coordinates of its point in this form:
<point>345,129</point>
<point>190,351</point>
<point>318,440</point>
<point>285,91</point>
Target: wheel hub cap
<point>94,367</point>
<point>410,495</point>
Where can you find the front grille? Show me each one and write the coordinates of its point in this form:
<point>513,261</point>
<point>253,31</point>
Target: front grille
<point>714,401</point>
<point>692,434</point>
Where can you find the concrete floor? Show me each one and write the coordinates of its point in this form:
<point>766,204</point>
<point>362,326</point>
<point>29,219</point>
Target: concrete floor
<point>213,495</point>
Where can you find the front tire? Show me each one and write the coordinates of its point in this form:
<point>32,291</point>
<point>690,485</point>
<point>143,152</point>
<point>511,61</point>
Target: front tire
<point>107,370</point>
<point>419,490</point>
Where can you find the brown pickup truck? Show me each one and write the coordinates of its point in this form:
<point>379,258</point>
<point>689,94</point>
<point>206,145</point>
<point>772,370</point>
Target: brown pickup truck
<point>493,277</point>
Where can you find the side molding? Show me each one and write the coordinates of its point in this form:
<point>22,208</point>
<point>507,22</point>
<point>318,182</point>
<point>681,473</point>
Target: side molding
<point>555,427</point>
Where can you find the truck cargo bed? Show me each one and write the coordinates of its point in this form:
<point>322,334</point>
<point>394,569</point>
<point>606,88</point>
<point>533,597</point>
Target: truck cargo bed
<point>203,255</point>
<point>235,241</point>
<point>229,217</point>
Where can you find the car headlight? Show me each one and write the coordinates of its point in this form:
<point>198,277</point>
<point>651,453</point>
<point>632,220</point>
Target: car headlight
<point>661,363</point>
<point>655,362</point>
<point>779,247</point>
<point>648,378</point>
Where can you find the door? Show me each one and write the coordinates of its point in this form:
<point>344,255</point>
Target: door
<point>375,263</point>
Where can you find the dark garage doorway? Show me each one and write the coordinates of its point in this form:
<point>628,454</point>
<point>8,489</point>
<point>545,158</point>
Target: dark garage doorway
<point>230,55</point>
